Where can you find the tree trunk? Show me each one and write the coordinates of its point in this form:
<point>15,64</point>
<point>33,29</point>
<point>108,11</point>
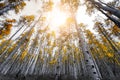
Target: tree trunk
<point>8,7</point>
<point>114,11</point>
<point>90,65</point>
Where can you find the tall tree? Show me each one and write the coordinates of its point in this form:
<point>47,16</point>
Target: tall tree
<point>106,9</point>
<point>93,72</point>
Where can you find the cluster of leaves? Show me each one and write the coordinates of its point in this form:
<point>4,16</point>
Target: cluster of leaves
<point>6,29</point>
<point>2,5</point>
<point>28,18</point>
<point>19,7</point>
<point>48,5</point>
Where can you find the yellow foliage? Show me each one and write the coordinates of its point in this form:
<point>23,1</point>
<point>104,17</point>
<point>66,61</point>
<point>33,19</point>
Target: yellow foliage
<point>64,59</point>
<point>29,18</point>
<point>76,49</point>
<point>90,42</point>
<point>104,39</point>
<point>41,51</point>
<point>45,49</point>
<point>70,20</point>
<point>53,34</point>
<point>23,55</point>
<point>11,20</point>
<point>110,55</point>
<point>1,36</point>
<point>54,44</point>
<point>7,32</point>
<point>50,51</point>
<point>23,3</point>
<point>17,9</point>
<point>64,49</point>
<point>19,6</point>
<point>48,35</point>
<point>10,49</point>
<point>52,62</point>
<point>48,5</point>
<point>104,47</point>
<point>115,28</point>
<point>8,26</point>
<point>2,5</point>
<point>49,42</point>
<point>43,18</point>
<point>73,46</point>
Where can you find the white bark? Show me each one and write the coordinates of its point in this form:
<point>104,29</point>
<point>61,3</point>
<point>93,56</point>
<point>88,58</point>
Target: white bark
<point>91,67</point>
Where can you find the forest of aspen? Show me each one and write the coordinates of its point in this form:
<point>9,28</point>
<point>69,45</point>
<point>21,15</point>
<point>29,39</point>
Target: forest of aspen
<point>59,39</point>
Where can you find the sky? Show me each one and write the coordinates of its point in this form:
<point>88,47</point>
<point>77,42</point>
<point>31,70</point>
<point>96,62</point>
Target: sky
<point>81,15</point>
<point>33,8</point>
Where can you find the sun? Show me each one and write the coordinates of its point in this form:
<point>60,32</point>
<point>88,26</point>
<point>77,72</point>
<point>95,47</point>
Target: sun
<point>56,18</point>
<point>59,17</point>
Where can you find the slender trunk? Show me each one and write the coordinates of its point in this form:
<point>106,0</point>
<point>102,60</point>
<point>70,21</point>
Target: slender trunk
<point>117,22</point>
<point>99,5</point>
<point>91,67</point>
<point>8,7</point>
<point>105,35</point>
<point>114,11</point>
<point>113,47</point>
